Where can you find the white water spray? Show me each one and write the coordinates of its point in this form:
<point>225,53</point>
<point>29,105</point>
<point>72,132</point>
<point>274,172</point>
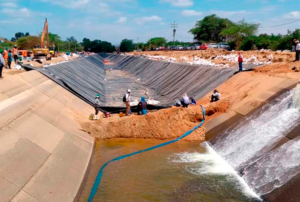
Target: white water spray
<point>258,134</point>
<point>214,164</point>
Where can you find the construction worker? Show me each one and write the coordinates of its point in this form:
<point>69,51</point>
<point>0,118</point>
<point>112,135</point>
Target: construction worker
<point>216,96</point>
<point>97,106</point>
<point>128,100</point>
<point>2,63</point>
<point>5,56</point>
<point>185,101</point>
<point>15,53</point>
<point>193,101</point>
<point>240,60</point>
<point>177,103</point>
<point>297,51</point>
<point>142,107</point>
<point>9,59</point>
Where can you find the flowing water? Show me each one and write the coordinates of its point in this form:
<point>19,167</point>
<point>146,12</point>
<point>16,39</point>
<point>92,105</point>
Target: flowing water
<point>275,169</point>
<point>251,146</point>
<point>181,172</point>
<point>259,133</point>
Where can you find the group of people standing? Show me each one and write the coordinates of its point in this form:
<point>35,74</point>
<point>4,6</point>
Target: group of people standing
<point>6,58</point>
<point>142,105</point>
<point>296,49</point>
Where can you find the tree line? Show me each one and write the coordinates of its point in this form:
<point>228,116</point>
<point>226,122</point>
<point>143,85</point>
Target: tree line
<point>27,42</point>
<point>213,29</point>
<point>240,35</point>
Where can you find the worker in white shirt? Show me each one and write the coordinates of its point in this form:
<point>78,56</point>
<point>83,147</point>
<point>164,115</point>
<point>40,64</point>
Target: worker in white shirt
<point>216,96</point>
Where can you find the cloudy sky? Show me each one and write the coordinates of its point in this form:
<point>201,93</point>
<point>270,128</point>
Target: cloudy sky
<point>114,20</point>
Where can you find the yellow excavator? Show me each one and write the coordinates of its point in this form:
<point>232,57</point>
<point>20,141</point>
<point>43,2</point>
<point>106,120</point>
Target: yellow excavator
<point>44,50</point>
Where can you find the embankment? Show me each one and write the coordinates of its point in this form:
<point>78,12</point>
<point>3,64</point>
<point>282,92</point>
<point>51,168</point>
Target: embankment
<point>163,124</point>
<point>44,154</point>
<point>244,93</point>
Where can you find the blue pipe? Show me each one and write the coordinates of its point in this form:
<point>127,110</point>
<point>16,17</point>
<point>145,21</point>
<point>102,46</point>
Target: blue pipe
<point>99,176</point>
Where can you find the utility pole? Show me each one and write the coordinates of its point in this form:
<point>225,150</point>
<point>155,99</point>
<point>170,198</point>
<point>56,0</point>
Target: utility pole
<point>174,26</point>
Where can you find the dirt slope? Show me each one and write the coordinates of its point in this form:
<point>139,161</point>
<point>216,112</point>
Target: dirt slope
<point>163,124</point>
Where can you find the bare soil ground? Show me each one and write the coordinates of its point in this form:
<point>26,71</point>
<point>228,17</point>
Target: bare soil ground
<point>163,124</point>
<point>212,54</point>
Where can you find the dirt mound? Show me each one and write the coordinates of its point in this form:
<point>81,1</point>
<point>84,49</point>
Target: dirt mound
<point>163,124</point>
<point>282,69</point>
<point>212,54</point>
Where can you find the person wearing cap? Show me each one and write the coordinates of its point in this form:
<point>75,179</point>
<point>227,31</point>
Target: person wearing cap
<point>142,106</point>
<point>297,50</point>
<point>5,56</point>
<point>240,60</point>
<point>97,106</point>
<point>128,100</point>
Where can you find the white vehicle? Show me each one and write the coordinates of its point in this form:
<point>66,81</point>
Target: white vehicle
<point>223,46</point>
<point>213,45</point>
<point>195,47</point>
<point>179,47</point>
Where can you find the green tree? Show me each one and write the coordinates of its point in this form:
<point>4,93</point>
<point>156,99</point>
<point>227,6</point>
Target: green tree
<point>71,39</point>
<point>86,43</point>
<point>28,42</point>
<point>126,45</point>
<point>97,46</point>
<point>19,35</point>
<point>157,42</point>
<point>210,28</point>
<point>239,31</point>
<point>170,43</point>
<point>54,39</point>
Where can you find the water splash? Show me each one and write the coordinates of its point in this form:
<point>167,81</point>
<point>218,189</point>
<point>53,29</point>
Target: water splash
<point>259,133</point>
<point>274,169</point>
<point>213,164</point>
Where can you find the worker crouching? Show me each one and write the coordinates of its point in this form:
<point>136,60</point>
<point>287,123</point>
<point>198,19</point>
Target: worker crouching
<point>216,96</point>
<point>142,107</point>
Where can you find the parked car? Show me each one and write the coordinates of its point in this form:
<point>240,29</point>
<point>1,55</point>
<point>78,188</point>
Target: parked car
<point>162,48</point>
<point>223,46</point>
<point>179,47</point>
<point>204,46</point>
<point>195,47</point>
<point>186,47</point>
<point>213,45</point>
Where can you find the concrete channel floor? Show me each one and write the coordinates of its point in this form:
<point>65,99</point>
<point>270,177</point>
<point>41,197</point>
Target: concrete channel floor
<point>44,156</point>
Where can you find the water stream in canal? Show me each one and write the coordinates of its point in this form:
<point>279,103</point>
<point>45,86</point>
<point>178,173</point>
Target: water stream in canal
<point>181,172</point>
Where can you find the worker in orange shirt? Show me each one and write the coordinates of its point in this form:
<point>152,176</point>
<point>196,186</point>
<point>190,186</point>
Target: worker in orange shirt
<point>5,56</point>
<point>15,53</point>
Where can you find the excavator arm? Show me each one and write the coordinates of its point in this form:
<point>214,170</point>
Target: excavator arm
<point>45,32</point>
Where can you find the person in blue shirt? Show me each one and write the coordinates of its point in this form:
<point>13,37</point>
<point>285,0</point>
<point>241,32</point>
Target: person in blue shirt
<point>142,107</point>
<point>9,59</point>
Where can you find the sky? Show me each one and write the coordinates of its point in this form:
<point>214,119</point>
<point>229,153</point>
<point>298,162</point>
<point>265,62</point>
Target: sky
<point>114,20</point>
